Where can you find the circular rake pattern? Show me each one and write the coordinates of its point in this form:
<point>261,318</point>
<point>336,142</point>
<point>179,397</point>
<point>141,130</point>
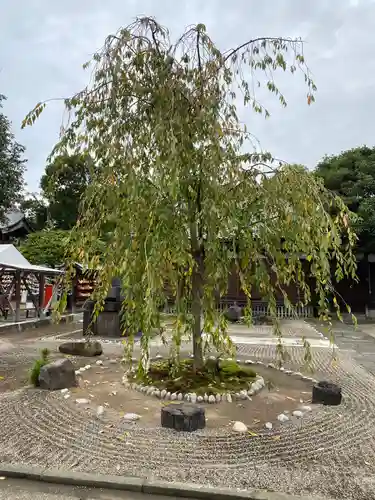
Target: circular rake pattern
<point>43,428</point>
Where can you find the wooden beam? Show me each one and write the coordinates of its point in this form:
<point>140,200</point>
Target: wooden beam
<point>42,284</point>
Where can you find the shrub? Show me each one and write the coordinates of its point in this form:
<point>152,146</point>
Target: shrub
<point>38,363</point>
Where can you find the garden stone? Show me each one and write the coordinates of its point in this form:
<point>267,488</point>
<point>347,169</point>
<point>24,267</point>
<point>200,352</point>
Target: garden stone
<point>88,349</point>
<point>282,418</point>
<point>157,393</point>
<point>297,414</point>
<point>306,408</point>
<point>59,374</point>
<point>200,399</point>
<point>187,397</point>
<point>100,411</point>
<point>193,398</point>
<point>211,399</point>
<point>326,393</point>
<point>239,427</point>
<point>179,397</point>
<point>229,398</point>
<point>163,394</point>
<point>205,397</point>
<point>183,417</point>
<point>218,398</point>
<point>249,362</point>
<point>131,417</point>
<point>250,392</point>
<point>243,394</point>
<point>82,401</point>
<point>168,395</point>
<point>173,396</point>
<point>268,425</point>
<point>99,362</point>
<point>233,313</point>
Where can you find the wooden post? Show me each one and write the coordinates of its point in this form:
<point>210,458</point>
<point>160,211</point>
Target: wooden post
<point>18,275</point>
<point>42,282</point>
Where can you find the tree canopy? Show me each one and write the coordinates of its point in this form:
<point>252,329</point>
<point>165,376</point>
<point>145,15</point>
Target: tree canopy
<point>351,175</point>
<point>179,182</point>
<point>63,184</point>
<point>12,165</point>
<point>47,247</point>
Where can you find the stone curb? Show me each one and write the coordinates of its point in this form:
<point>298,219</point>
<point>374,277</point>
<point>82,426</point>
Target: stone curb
<point>139,484</point>
<point>38,323</point>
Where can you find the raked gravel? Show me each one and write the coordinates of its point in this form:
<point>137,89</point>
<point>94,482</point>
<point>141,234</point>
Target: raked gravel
<point>329,451</point>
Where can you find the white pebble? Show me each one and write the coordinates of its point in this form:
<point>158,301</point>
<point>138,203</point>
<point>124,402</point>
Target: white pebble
<point>87,367</point>
<point>306,408</point>
<point>100,411</point>
<point>99,362</point>
<point>157,393</point>
<point>179,397</point>
<point>168,395</point>
<point>229,398</point>
<point>243,394</point>
<point>282,418</point>
<point>297,414</point>
<point>193,398</point>
<point>239,427</point>
<point>249,362</point>
<point>64,391</point>
<point>271,365</point>
<point>268,425</point>
<point>173,396</point>
<point>205,397</point>
<point>200,399</point>
<point>163,394</point>
<point>132,417</point>
<point>67,396</point>
<point>218,398</point>
<point>158,356</point>
<point>250,392</point>
<point>211,399</point>
<point>82,401</point>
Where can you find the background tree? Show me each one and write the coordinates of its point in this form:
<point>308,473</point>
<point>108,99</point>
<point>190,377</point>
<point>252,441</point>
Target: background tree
<point>12,165</point>
<point>186,200</point>
<point>351,175</point>
<point>36,211</point>
<point>63,183</point>
<point>46,247</point>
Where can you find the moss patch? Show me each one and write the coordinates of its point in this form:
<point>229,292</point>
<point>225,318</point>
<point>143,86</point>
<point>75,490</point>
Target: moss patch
<point>216,377</point>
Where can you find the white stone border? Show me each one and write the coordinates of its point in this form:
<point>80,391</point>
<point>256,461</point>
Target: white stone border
<point>192,397</point>
<point>281,369</point>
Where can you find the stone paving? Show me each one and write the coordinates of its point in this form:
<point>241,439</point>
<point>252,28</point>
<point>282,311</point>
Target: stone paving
<point>330,451</point>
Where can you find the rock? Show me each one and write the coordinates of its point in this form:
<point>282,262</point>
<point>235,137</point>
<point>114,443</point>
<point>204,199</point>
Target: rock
<point>163,394</point>
<point>67,396</point>
<point>249,362</point>
<point>268,425</point>
<point>157,393</point>
<point>218,398</point>
<point>131,417</point>
<point>243,394</point>
<point>297,414</point>
<point>100,411</point>
<point>183,417</point>
<point>173,396</point>
<point>99,362</point>
<point>193,398</point>
<point>87,367</point>
<point>200,399</point>
<point>88,349</point>
<point>233,313</point>
<point>211,399</point>
<point>250,392</point>
<point>168,395</point>
<point>59,374</point>
<point>239,427</point>
<point>326,393</point>
<point>205,397</point>
<point>271,365</point>
<point>158,356</point>
<point>82,401</point>
<point>179,397</point>
<point>229,398</point>
<point>114,361</point>
<point>150,390</point>
<point>306,408</point>
<point>282,418</point>
<point>64,391</point>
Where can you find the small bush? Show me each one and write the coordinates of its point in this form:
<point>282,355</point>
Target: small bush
<point>38,363</point>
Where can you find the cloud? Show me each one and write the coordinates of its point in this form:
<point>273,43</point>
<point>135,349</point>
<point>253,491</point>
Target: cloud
<point>43,45</point>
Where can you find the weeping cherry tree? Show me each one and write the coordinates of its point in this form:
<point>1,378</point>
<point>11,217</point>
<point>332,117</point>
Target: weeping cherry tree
<point>182,196</point>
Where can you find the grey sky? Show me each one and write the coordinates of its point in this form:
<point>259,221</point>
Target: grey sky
<point>43,44</point>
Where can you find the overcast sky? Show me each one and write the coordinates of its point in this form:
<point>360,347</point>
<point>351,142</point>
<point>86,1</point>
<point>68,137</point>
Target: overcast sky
<point>43,44</point>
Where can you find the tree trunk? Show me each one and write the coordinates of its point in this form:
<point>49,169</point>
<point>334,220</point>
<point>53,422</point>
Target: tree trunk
<point>196,309</point>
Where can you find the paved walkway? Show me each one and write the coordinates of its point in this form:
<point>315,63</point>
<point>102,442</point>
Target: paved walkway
<point>12,489</point>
